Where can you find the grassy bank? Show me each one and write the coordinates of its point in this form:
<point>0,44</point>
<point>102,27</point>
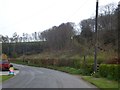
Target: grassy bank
<point>102,83</point>
<point>5,77</point>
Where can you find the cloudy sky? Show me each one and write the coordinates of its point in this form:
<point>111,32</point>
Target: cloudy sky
<point>28,16</point>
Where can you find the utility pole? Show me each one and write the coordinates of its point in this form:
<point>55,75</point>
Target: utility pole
<point>118,29</point>
<point>96,38</point>
<point>0,50</point>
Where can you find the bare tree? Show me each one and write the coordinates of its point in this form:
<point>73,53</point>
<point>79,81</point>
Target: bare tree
<point>59,37</point>
<point>107,18</point>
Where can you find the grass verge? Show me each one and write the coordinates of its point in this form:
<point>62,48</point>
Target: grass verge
<point>102,83</point>
<point>5,77</point>
<point>66,69</point>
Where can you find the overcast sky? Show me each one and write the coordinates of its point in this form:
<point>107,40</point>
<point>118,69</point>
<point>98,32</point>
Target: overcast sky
<point>28,16</point>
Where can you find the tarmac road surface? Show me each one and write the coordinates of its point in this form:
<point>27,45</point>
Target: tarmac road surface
<point>34,77</point>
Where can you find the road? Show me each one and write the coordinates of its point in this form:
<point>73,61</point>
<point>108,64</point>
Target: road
<point>34,77</point>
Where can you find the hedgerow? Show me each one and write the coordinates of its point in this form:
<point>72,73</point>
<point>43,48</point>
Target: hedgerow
<point>110,71</point>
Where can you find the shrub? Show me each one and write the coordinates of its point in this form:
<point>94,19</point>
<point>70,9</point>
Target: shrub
<point>14,55</point>
<point>103,70</point>
<point>87,69</point>
<point>110,71</point>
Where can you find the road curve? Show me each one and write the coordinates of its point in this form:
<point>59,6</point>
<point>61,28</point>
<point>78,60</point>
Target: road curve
<point>34,77</point>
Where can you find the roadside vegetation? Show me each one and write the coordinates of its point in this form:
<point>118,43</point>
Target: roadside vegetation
<point>5,77</point>
<point>102,83</point>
